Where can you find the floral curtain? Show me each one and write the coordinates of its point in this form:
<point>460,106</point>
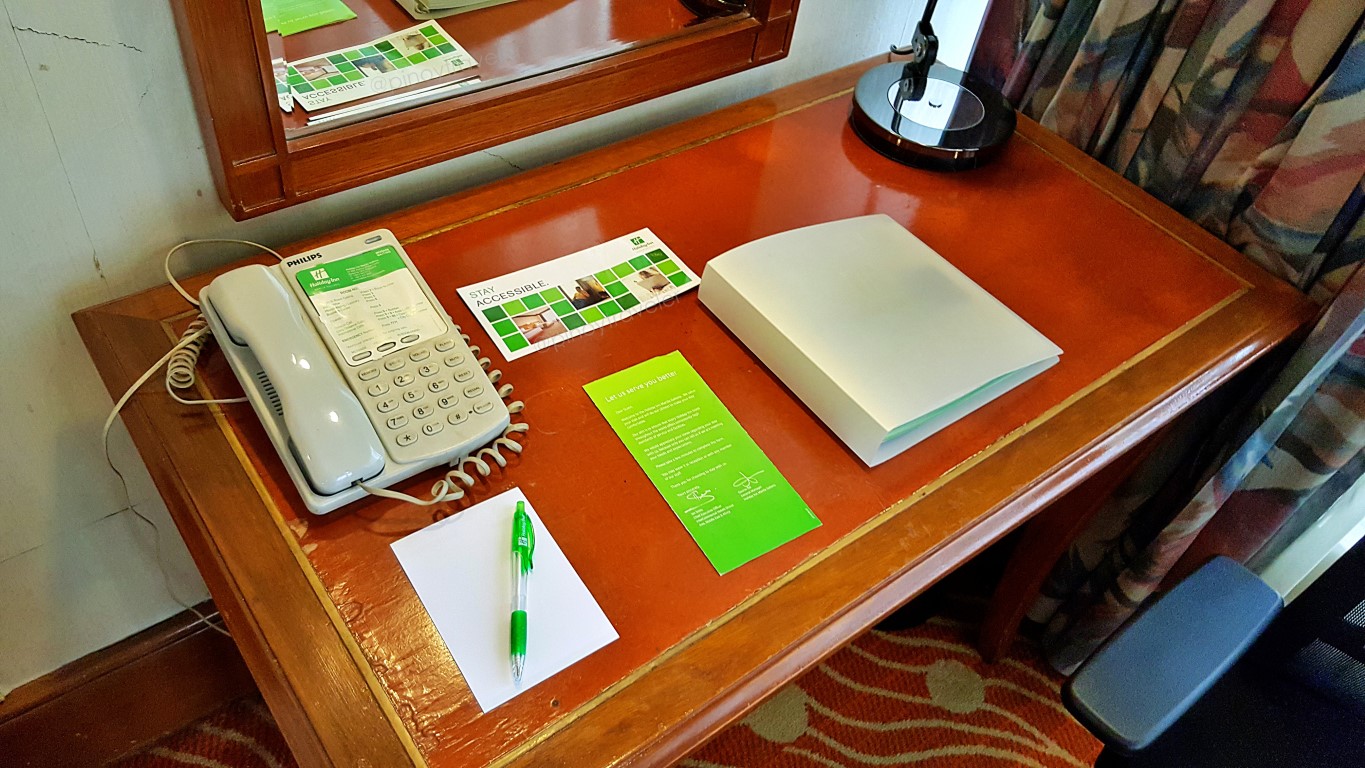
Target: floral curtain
<point>1247,116</point>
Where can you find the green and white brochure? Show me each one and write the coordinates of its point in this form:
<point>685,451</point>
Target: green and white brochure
<point>726,492</point>
<point>283,93</point>
<point>533,308</point>
<point>405,58</point>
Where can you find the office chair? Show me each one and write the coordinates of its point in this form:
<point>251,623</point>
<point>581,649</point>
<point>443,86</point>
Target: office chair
<point>1215,674</point>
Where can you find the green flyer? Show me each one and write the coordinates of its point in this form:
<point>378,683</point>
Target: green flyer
<point>730,497</point>
<point>289,17</point>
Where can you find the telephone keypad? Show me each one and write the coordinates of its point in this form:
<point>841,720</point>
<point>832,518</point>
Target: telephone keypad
<point>443,369</point>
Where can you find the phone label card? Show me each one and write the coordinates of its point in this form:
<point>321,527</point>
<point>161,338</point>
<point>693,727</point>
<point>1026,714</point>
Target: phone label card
<point>370,303</point>
<point>726,492</point>
<point>531,309</point>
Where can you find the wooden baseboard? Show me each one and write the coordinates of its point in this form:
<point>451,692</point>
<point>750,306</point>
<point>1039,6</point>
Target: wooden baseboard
<point>115,700</point>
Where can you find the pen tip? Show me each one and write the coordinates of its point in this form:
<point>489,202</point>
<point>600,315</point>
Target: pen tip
<point>517,665</point>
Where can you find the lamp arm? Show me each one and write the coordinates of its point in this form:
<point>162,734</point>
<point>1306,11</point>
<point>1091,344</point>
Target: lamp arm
<point>964,125</point>
<point>923,47</point>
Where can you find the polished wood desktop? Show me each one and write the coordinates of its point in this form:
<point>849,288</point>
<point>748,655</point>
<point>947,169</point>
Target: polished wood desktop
<point>1151,311</point>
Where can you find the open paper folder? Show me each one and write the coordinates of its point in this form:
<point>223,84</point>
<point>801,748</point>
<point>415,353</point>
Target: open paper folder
<point>878,335</point>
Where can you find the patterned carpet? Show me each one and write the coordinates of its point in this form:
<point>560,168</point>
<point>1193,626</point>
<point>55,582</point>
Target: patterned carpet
<point>240,735</point>
<point>920,697</point>
<point>915,697</point>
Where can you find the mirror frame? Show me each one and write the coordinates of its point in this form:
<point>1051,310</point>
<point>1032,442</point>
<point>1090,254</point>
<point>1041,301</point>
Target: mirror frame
<point>258,170</point>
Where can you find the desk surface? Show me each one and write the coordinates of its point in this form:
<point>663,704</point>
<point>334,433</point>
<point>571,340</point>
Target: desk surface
<point>1151,311</point>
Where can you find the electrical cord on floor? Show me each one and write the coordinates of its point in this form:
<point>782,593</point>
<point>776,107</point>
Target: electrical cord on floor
<point>180,364</point>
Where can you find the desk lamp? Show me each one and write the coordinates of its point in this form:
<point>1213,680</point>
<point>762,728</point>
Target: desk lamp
<point>929,115</point>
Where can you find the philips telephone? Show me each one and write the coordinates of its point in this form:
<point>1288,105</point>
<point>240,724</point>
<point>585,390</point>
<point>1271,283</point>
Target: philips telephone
<point>358,374</point>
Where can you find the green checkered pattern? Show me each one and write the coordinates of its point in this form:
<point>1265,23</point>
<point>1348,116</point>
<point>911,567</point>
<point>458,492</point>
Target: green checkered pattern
<point>621,300</point>
<point>347,72</point>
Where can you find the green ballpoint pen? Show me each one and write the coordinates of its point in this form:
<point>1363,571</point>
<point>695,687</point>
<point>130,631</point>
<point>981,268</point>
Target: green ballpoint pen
<point>523,546</point>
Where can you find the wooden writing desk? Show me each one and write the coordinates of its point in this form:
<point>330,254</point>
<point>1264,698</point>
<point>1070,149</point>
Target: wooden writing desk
<point>1151,311</point>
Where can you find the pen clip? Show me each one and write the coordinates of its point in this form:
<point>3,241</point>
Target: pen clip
<point>524,537</point>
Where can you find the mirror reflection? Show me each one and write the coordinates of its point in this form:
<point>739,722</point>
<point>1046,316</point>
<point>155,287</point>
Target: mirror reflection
<point>338,62</point>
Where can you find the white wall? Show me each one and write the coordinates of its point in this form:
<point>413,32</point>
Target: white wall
<point>102,168</point>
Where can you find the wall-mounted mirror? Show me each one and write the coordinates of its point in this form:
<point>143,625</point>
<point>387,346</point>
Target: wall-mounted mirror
<point>536,65</point>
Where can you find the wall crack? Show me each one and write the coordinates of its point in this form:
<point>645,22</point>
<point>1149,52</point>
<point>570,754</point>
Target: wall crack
<point>505,160</point>
<point>115,44</point>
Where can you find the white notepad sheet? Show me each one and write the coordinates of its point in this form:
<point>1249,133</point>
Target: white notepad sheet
<point>461,569</point>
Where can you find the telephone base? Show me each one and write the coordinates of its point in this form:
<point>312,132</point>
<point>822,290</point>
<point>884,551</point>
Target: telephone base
<point>356,372</point>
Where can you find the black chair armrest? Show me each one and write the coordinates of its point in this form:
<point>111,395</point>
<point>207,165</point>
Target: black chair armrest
<point>1159,663</point>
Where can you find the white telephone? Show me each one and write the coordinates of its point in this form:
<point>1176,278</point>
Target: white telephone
<point>358,374</point>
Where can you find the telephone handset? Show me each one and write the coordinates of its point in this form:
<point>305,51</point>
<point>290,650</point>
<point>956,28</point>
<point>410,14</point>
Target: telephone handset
<point>353,366</point>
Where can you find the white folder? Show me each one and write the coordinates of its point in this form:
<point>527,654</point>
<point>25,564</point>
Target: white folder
<point>877,334</point>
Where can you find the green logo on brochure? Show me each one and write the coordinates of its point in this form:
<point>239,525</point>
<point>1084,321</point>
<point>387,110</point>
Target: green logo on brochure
<point>637,241</point>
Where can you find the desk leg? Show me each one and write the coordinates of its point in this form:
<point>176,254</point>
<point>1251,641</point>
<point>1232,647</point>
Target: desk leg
<point>1046,537</point>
